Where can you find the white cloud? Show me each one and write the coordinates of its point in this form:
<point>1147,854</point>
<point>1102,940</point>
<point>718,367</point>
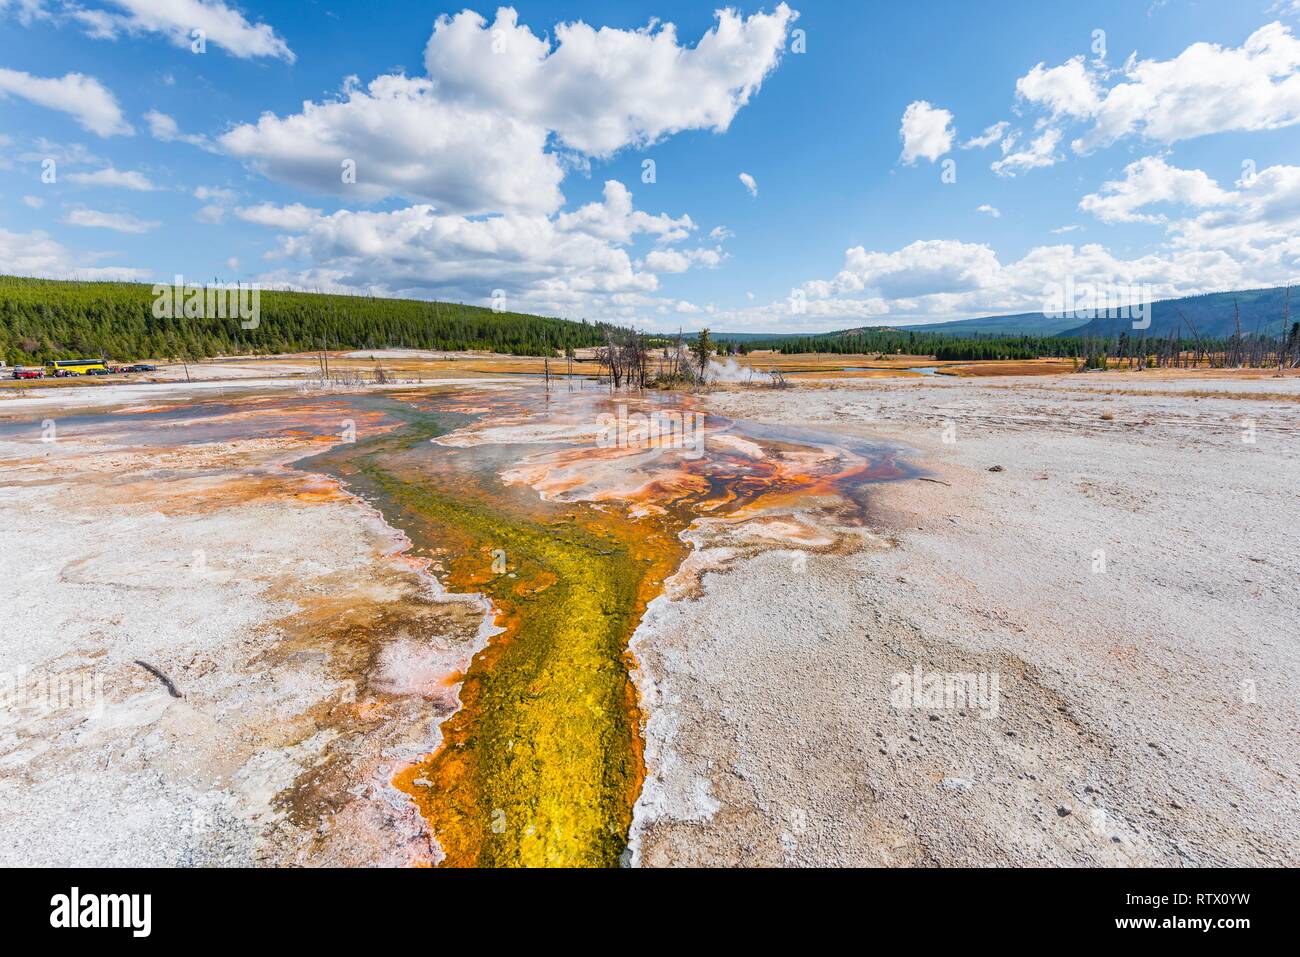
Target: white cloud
<point>84,98</point>
<point>211,215</point>
<point>1149,181</point>
<point>1258,222</point>
<point>601,90</point>
<point>926,131</point>
<point>36,254</point>
<point>176,20</point>
<point>294,218</point>
<point>474,136</point>
<point>680,260</point>
<point>1207,88</point>
<point>216,200</point>
<point>921,268</point>
<point>69,154</point>
<point>33,202</point>
<point>616,221</point>
<point>1244,238</point>
<point>214,194</point>
<point>27,11</point>
<point>163,127</point>
<point>1070,89</point>
<point>406,141</point>
<point>989,210</point>
<point>416,250</point>
<point>1041,151</point>
<point>990,136</point>
<point>573,264</point>
<point>118,222</point>
<point>113,178</point>
<point>750,184</point>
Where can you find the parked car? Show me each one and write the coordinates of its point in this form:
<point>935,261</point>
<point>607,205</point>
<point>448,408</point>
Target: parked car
<point>100,371</point>
<point>21,373</point>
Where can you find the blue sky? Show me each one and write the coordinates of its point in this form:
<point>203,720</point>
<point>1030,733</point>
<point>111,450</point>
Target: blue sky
<point>485,169</point>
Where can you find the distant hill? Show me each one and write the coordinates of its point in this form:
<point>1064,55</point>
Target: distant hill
<point>1212,314</point>
<point>1021,324</point>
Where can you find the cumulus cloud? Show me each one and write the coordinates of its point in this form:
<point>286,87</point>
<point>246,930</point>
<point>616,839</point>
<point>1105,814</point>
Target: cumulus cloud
<point>1207,88</point>
<point>479,148</point>
<point>1258,221</point>
<point>294,218</point>
<point>82,97</point>
<point>600,90</point>
<point>118,222</point>
<point>222,25</point>
<point>1040,151</point>
<point>750,183</point>
<point>936,280</point>
<point>1244,237</point>
<point>564,264</point>
<point>27,11</point>
<point>36,254</point>
<point>1147,182</point>
<point>417,251</point>
<point>163,127</point>
<point>926,132</point>
<point>989,210</point>
<point>1070,89</point>
<point>214,194</point>
<point>476,135</point>
<point>616,220</point>
<point>990,136</point>
<point>406,140</point>
<point>113,178</point>
<point>925,267</point>
<point>680,260</point>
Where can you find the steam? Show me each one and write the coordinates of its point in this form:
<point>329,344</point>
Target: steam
<point>733,371</point>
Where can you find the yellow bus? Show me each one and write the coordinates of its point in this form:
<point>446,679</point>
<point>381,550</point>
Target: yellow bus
<point>63,367</point>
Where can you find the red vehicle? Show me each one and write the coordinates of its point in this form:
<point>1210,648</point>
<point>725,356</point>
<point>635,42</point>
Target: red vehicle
<point>21,373</point>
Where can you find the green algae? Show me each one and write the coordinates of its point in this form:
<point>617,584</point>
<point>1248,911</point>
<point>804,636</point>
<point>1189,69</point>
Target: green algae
<point>542,764</point>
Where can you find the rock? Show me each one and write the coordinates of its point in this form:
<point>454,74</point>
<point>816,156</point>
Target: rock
<point>1064,810</point>
<point>997,468</point>
<point>955,784</point>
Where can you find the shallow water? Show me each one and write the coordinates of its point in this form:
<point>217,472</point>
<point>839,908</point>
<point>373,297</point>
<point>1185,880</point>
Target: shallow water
<point>570,537</point>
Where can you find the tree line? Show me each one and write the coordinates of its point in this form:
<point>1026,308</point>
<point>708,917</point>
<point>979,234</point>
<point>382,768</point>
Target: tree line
<point>42,320</point>
<point>1184,346</point>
